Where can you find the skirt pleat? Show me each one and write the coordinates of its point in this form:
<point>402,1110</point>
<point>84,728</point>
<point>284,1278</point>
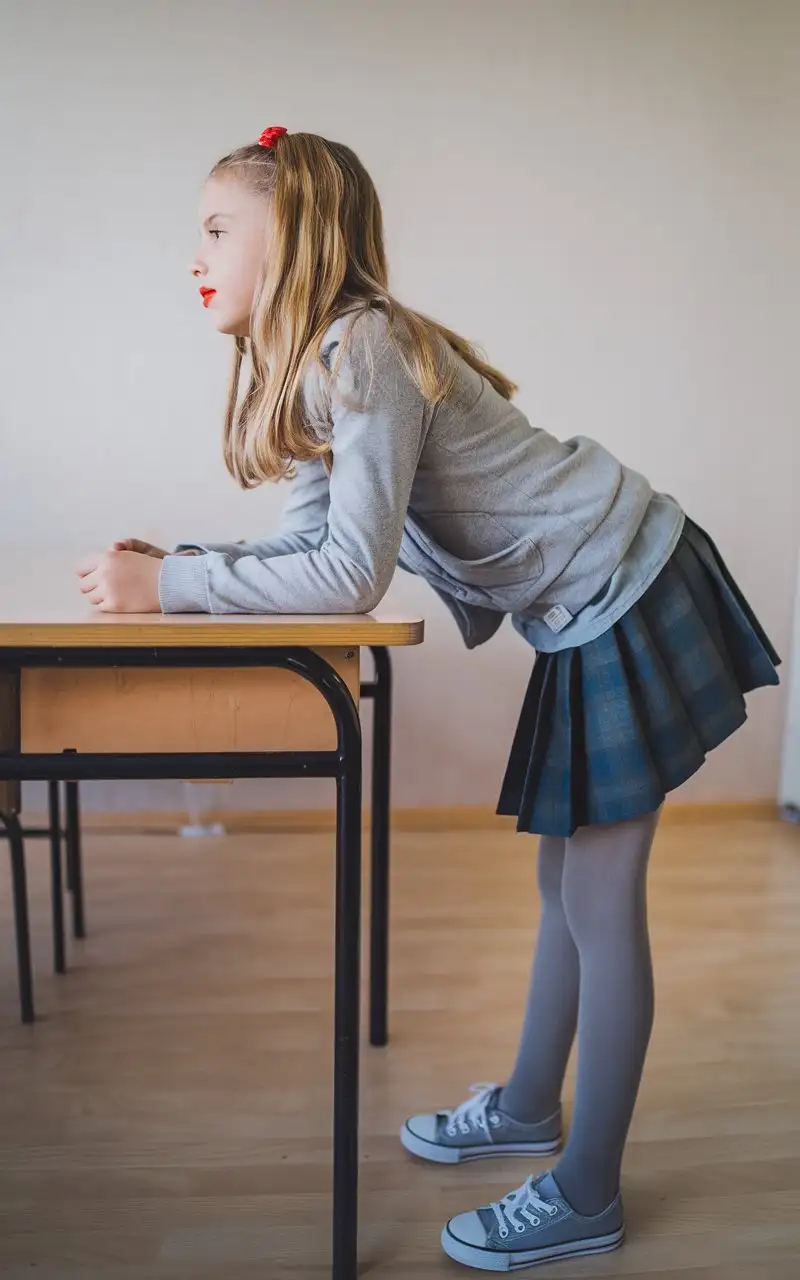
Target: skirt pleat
<point>608,728</point>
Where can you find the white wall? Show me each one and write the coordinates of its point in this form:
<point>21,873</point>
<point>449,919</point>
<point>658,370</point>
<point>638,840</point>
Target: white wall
<point>604,195</point>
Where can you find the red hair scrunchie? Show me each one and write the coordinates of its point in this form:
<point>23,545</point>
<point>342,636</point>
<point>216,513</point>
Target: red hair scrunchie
<point>270,136</point>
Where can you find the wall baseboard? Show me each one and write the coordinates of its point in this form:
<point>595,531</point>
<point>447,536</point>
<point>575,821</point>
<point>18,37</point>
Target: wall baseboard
<point>432,818</point>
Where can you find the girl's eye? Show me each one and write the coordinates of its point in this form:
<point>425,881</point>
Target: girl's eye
<point>216,232</point>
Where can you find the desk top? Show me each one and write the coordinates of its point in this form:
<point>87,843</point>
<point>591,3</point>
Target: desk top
<point>41,605</point>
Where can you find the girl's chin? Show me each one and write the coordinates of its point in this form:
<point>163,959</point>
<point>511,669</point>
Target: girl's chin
<point>236,328</point>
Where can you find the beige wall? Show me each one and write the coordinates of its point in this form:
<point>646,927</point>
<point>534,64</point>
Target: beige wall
<point>603,193</point>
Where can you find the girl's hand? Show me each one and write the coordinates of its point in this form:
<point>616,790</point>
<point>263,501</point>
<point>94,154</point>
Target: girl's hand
<point>141,548</point>
<point>147,549</point>
<point>122,582</point>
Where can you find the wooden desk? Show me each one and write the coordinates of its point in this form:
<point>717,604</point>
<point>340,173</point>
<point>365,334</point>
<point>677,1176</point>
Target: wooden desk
<point>87,695</point>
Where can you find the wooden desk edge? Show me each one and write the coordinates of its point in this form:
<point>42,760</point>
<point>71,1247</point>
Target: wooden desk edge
<point>362,632</point>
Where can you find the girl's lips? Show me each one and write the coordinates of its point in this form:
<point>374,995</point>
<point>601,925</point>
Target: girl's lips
<point>207,295</point>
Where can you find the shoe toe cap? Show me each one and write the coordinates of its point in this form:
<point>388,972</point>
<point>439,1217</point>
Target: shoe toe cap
<point>467,1228</point>
<point>423,1127</point>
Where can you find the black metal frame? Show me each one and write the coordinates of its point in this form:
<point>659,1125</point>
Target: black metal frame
<point>344,765</point>
<point>19,888</point>
<point>380,691</point>
<point>55,832</point>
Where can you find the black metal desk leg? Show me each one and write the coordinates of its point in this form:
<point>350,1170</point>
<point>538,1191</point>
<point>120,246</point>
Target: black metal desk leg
<point>381,817</point>
<point>68,875</point>
<point>19,880</point>
<point>75,860</point>
<point>56,880</point>
<point>346,1018</point>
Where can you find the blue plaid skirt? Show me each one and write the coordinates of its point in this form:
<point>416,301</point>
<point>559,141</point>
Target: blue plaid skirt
<point>609,727</point>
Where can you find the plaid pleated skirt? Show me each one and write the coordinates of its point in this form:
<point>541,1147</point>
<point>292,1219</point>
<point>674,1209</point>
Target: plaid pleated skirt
<point>609,727</point>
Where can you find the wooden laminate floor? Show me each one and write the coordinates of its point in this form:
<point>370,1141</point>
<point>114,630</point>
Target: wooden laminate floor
<point>168,1116</point>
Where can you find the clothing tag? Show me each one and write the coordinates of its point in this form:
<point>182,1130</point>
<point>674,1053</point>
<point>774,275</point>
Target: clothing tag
<point>557,618</point>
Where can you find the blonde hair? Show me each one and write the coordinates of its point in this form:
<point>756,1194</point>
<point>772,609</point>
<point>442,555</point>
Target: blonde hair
<point>326,258</point>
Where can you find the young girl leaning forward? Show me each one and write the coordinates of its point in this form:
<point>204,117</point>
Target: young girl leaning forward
<point>407,450</point>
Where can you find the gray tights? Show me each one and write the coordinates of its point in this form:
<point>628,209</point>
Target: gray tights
<point>593,970</point>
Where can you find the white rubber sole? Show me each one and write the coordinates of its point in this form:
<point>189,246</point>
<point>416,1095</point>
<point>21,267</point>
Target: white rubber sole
<point>492,1260</point>
<point>486,1151</point>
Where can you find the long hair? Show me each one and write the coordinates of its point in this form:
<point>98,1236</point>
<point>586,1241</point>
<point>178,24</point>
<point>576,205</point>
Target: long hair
<point>326,258</point>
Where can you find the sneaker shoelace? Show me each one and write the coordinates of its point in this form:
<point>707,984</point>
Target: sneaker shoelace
<point>474,1115</point>
<point>522,1203</point>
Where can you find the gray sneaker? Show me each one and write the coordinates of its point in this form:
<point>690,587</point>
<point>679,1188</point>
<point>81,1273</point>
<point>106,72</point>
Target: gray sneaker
<point>477,1130</point>
<point>532,1225</point>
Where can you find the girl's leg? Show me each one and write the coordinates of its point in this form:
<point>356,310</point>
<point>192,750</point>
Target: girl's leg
<point>605,901</point>
<point>533,1091</point>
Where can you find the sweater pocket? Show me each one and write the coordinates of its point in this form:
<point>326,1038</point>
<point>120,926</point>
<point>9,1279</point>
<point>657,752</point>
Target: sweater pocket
<point>505,579</point>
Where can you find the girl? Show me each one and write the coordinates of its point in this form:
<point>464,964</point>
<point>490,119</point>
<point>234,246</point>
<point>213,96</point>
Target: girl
<point>406,449</point>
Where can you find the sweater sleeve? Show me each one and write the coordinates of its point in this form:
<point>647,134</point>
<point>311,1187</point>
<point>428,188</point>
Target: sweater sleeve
<point>379,419</point>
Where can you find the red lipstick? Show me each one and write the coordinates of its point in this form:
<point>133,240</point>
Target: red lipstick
<point>207,295</point>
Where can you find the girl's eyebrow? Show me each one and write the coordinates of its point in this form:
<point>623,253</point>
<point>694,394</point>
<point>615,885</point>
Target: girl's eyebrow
<point>212,216</point>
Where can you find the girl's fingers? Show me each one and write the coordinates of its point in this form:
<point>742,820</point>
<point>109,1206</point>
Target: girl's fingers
<point>133,544</point>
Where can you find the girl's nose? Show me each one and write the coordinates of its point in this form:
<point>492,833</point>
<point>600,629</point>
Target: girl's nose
<point>197,268</point>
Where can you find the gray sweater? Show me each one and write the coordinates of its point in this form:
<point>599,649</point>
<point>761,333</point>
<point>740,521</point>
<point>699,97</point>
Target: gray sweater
<point>497,515</point>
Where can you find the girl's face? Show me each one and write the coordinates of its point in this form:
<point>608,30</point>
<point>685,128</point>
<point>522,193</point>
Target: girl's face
<point>233,244</point>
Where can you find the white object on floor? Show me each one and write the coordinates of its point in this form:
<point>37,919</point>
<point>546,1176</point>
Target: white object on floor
<point>200,800</point>
<point>194,829</point>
